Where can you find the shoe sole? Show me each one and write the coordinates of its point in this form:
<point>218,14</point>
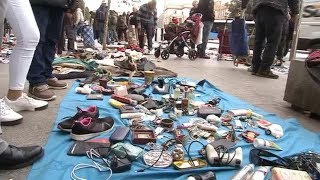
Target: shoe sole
<point>87,136</point>
<point>26,164</point>
<point>64,130</point>
<point>11,123</point>
<point>43,99</point>
<point>32,109</point>
<point>58,88</point>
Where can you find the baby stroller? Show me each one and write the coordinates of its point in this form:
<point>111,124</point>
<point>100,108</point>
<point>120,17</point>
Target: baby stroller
<point>181,36</point>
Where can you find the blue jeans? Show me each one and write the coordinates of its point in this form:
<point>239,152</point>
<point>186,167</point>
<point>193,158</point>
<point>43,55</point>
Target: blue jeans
<point>49,20</point>
<point>207,27</point>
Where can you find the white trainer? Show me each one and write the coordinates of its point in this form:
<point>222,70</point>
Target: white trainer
<point>7,116</point>
<point>26,103</point>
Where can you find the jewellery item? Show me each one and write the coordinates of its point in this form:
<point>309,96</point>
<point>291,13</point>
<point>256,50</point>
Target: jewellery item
<point>178,153</point>
<point>152,156</point>
<point>166,123</point>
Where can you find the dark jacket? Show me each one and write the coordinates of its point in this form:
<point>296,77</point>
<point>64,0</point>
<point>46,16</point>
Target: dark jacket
<point>281,5</point>
<point>192,11</point>
<point>206,8</point>
<point>146,16</point>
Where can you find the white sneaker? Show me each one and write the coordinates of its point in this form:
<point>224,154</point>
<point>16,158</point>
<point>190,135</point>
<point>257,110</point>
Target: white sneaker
<point>25,103</point>
<point>7,116</point>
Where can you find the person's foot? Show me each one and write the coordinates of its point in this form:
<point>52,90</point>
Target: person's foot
<point>204,56</point>
<point>42,92</point>
<point>7,116</point>
<point>54,83</point>
<point>88,128</point>
<point>19,157</point>
<point>67,124</point>
<point>267,74</point>
<point>25,103</point>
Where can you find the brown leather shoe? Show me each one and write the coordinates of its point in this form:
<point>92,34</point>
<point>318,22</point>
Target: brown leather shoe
<point>54,83</point>
<point>267,74</point>
<point>42,92</point>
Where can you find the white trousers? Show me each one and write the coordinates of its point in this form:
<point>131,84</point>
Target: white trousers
<point>21,19</point>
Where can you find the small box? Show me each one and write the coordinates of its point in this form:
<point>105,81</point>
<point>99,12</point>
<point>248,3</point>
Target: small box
<point>143,136</point>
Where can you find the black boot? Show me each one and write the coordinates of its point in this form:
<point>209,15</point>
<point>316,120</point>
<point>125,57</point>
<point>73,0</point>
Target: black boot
<point>19,157</point>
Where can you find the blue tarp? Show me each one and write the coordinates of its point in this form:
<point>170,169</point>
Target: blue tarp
<point>56,164</point>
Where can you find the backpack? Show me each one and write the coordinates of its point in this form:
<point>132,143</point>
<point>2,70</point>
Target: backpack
<point>313,65</point>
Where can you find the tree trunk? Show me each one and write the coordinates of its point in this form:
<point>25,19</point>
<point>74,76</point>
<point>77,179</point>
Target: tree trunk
<point>105,32</point>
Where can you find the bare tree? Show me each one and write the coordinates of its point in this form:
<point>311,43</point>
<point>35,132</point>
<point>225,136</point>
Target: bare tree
<point>105,31</point>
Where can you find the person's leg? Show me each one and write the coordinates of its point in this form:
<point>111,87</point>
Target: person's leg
<point>62,42</point>
<point>207,27</point>
<point>3,10</point>
<point>52,36</point>
<point>273,28</point>
<point>37,68</point>
<point>24,26</point>
<point>150,35</point>
<point>141,36</point>
<point>258,41</point>
<point>71,35</point>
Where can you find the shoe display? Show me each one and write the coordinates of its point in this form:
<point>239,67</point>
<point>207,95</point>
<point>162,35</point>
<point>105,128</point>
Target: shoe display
<point>25,103</point>
<point>7,116</point>
<point>267,74</point>
<point>19,157</point>
<point>95,77</point>
<point>42,92</point>
<point>88,128</point>
<point>68,122</point>
<point>54,83</point>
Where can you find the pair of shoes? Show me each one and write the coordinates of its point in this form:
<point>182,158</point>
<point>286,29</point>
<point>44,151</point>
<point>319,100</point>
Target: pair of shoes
<point>43,92</point>
<point>67,123</point>
<point>54,83</point>
<point>204,56</point>
<point>9,109</point>
<point>86,124</point>
<point>267,74</point>
<point>19,157</point>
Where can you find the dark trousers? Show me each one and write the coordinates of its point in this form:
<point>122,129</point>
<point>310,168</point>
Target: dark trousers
<point>122,35</point>
<point>149,30</point>
<point>283,45</point>
<point>207,27</point>
<point>49,20</point>
<point>268,24</point>
<point>70,31</point>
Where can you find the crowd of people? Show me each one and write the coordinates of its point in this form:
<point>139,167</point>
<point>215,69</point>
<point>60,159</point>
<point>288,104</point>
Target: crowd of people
<point>41,29</point>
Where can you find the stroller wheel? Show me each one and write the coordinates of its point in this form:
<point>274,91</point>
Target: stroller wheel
<point>180,52</point>
<point>193,55</point>
<point>165,54</point>
<point>157,52</point>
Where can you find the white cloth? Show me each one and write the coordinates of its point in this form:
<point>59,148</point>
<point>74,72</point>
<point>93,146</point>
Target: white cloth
<point>200,35</point>
<point>24,26</point>
<point>79,16</point>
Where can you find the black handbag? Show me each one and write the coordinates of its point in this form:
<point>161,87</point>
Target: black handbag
<point>52,3</point>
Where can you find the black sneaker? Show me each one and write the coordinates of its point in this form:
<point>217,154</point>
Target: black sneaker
<point>267,74</point>
<point>68,122</point>
<point>88,128</point>
<point>19,157</point>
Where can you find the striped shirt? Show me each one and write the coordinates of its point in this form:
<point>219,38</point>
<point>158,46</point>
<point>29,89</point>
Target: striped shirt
<point>147,16</point>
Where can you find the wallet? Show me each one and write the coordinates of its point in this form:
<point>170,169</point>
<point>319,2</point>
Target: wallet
<point>203,112</point>
<point>80,148</point>
<point>119,134</point>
